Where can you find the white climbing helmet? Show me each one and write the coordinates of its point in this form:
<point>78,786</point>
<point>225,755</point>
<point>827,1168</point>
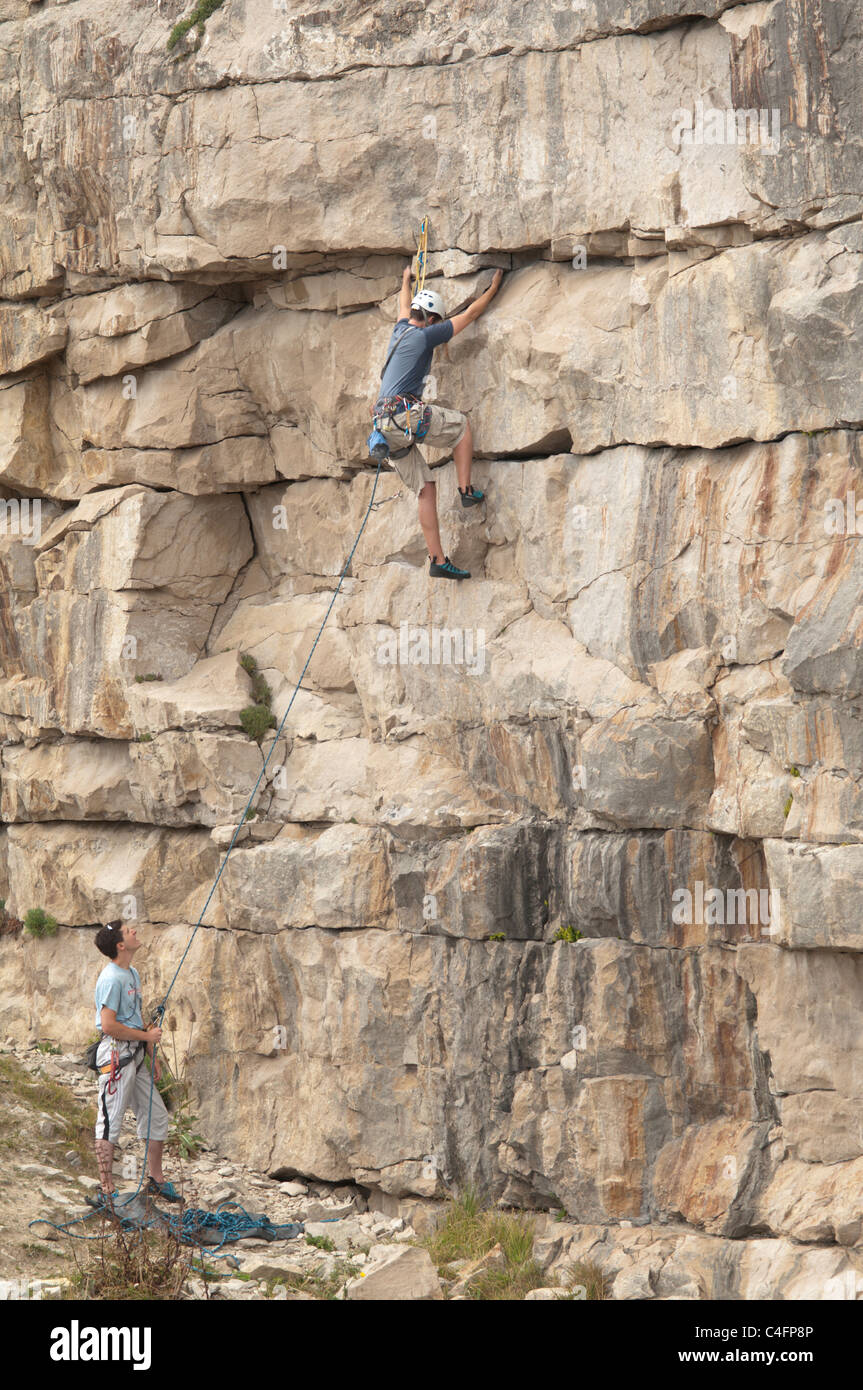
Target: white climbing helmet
<point>428,303</point>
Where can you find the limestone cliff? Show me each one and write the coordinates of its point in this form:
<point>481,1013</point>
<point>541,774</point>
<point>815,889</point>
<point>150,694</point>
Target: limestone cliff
<point>650,724</point>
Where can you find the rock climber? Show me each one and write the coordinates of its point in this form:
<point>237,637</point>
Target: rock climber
<point>123,1078</point>
<point>401,416</point>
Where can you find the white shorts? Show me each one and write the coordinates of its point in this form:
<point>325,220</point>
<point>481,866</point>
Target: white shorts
<point>131,1087</point>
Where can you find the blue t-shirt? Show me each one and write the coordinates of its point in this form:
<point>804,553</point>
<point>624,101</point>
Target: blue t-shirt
<point>409,365</point>
<point>119,990</point>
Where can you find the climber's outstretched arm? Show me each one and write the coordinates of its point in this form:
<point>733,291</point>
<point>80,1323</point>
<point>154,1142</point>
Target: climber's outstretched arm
<point>405,294</point>
<point>473,311</point>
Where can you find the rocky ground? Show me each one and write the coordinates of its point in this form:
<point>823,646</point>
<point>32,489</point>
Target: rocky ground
<point>346,1249</point>
<point>356,1244</point>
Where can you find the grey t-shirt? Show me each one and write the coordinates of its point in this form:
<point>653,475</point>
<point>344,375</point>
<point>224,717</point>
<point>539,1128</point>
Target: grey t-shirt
<point>409,365</point>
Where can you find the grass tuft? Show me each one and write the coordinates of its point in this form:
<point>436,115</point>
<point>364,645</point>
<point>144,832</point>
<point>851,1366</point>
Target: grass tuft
<point>469,1230</point>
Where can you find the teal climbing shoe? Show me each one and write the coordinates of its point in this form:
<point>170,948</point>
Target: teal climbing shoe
<point>166,1190</point>
<point>447,570</point>
<point>471,496</point>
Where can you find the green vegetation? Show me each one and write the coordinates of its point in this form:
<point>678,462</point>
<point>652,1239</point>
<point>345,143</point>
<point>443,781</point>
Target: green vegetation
<point>130,1265</point>
<point>183,1137</point>
<point>50,1049</point>
<point>787,807</point>
<point>795,771</point>
<point>584,1281</point>
<point>567,933</point>
<point>75,1120</point>
<point>182,1134</point>
<point>150,677</point>
<point>320,1242</point>
<point>496,936</point>
<point>38,922</point>
<point>320,1283</point>
<point>257,718</point>
<point>199,16</point>
<point>469,1230</point>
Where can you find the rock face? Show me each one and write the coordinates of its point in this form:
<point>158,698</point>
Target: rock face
<point>551,880</point>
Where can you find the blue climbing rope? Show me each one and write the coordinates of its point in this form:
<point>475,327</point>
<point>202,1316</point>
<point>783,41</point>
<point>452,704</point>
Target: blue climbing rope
<point>159,1011</point>
<point>224,1227</point>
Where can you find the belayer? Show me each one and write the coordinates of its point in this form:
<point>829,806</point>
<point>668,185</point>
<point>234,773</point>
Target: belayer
<point>401,418</point>
<point>119,1061</point>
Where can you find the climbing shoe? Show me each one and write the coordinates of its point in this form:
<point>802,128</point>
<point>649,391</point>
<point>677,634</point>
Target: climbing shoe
<point>166,1190</point>
<point>447,570</point>
<point>471,496</point>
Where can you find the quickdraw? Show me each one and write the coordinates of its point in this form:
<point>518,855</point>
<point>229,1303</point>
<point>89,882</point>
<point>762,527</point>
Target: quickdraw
<point>113,1072</point>
<point>422,249</point>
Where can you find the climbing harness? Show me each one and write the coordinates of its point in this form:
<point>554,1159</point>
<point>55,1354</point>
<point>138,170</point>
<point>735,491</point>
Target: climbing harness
<point>158,1013</point>
<point>414,431</point>
<point>115,1066</point>
<point>384,411</point>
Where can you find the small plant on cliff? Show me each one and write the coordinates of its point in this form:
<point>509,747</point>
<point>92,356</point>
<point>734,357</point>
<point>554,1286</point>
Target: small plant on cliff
<point>256,719</point>
<point>567,933</point>
<point>199,16</point>
<point>150,677</point>
<point>787,807</point>
<point>496,936</point>
<point>145,738</point>
<point>38,922</point>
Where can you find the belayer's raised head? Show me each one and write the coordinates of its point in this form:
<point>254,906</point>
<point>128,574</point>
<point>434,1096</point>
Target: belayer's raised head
<point>118,942</point>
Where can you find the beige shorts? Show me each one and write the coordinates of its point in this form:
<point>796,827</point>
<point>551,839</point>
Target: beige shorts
<point>445,431</point>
